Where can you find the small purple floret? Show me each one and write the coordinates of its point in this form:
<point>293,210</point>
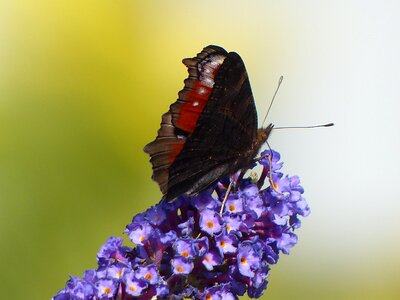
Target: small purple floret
<point>210,221</point>
<point>248,260</point>
<point>226,243</point>
<point>212,259</point>
<point>181,265</point>
<point>133,286</point>
<point>106,288</point>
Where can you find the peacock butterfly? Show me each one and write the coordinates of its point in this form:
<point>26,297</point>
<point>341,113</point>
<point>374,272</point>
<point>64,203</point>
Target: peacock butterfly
<point>211,131</point>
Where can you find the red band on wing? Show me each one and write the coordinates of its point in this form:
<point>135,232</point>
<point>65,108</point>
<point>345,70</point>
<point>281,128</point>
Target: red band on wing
<point>190,110</point>
<point>197,91</point>
<point>175,150</point>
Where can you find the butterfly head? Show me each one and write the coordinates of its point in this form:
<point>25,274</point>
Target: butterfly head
<point>263,134</point>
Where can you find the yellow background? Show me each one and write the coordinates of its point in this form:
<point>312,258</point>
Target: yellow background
<point>83,85</point>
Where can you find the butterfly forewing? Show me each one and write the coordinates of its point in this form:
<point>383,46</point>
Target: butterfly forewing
<point>208,131</point>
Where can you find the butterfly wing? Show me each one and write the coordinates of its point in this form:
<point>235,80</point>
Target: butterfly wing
<point>208,131</point>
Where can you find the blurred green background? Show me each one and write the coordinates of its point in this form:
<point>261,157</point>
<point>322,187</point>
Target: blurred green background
<point>83,85</point>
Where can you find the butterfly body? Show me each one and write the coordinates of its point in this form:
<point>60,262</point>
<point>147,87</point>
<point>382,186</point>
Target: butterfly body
<point>211,130</point>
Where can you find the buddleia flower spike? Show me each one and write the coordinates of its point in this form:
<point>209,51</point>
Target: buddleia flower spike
<point>186,249</point>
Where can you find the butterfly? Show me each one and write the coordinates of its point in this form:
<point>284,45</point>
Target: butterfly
<point>211,131</point>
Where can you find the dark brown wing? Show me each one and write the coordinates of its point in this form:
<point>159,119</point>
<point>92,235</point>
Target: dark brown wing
<point>163,151</point>
<point>209,130</point>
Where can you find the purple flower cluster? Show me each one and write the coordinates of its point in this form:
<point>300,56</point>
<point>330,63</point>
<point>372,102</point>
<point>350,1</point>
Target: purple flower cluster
<point>200,247</point>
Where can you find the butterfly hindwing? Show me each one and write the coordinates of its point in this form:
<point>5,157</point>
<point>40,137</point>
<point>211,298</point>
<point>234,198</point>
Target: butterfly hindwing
<point>163,151</point>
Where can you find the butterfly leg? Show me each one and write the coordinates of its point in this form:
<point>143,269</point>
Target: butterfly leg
<point>225,198</point>
<point>270,157</point>
<point>237,179</point>
<point>261,180</point>
<point>265,155</point>
<point>257,159</point>
<point>268,172</point>
<point>234,183</point>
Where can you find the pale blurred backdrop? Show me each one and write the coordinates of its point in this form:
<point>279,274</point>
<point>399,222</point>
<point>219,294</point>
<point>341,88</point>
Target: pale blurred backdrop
<point>83,85</point>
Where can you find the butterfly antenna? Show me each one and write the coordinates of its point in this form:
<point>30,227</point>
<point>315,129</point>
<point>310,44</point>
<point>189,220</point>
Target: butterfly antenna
<point>302,127</point>
<point>270,157</point>
<point>270,150</point>
<point>272,101</point>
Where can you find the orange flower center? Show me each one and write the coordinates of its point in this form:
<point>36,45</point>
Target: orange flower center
<point>275,185</point>
<point>210,224</point>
